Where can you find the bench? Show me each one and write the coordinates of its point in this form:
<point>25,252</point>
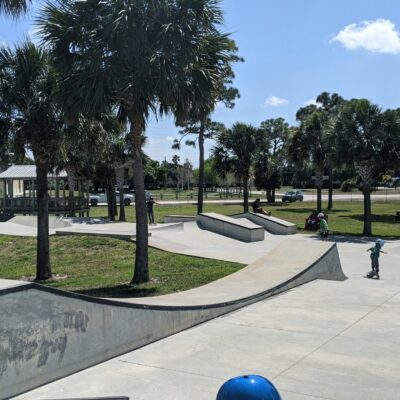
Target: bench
<point>273,225</point>
<point>245,231</point>
<point>179,218</point>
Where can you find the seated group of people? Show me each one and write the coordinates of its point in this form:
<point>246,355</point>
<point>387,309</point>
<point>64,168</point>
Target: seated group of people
<point>258,209</point>
<point>314,220</point>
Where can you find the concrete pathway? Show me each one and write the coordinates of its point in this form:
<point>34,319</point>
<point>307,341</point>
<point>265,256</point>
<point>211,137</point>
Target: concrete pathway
<point>323,340</point>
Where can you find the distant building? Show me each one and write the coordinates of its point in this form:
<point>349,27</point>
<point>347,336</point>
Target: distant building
<point>18,192</point>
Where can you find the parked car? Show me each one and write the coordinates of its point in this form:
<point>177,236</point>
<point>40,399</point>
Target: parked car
<point>129,198</point>
<point>292,195</point>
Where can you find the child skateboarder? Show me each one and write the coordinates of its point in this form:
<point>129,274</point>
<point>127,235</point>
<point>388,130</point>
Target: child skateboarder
<point>375,251</point>
<point>323,226</point>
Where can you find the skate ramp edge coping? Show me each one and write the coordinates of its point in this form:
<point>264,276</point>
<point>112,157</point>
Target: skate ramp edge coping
<point>48,334</point>
<point>274,225</point>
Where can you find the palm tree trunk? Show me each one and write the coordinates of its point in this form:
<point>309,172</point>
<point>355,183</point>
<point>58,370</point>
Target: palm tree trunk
<point>245,194</point>
<point>122,217</point>
<point>319,199</point>
<point>319,180</point>
<point>141,273</point>
<point>200,195</point>
<point>43,267</point>
<point>110,200</point>
<point>367,212</point>
<point>366,171</point>
<point>119,175</point>
<point>330,193</point>
<point>269,195</point>
<point>71,188</point>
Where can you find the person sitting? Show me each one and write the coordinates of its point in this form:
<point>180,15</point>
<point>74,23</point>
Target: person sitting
<point>312,222</point>
<point>258,209</point>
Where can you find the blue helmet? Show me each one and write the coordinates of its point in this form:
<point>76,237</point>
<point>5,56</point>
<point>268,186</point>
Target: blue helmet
<point>380,242</point>
<point>248,387</point>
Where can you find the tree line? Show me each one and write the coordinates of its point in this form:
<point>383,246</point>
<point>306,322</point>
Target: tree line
<point>354,138</point>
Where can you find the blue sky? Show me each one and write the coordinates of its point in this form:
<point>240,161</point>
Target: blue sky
<point>293,50</point>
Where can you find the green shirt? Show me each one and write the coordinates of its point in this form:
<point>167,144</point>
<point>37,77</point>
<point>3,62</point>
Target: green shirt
<point>323,225</point>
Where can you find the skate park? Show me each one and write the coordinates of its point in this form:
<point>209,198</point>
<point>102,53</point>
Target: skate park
<point>289,316</point>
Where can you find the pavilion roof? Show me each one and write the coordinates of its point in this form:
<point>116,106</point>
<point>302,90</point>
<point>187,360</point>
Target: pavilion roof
<point>26,172</point>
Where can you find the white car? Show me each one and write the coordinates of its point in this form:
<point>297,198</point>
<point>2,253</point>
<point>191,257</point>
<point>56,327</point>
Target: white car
<point>129,198</point>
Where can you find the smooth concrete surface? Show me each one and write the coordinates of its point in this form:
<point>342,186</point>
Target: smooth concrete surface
<point>10,284</point>
<point>325,340</point>
<point>273,273</point>
<point>179,218</point>
<point>276,226</point>
<point>238,229</point>
<point>26,225</point>
<point>60,333</point>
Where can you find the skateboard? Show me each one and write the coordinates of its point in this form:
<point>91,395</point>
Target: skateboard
<point>371,275</point>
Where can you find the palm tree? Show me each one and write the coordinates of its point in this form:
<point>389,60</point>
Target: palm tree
<point>139,56</point>
<point>203,129</point>
<point>331,104</point>
<point>13,7</point>
<point>218,55</point>
<point>310,142</point>
<point>367,139</point>
<point>274,134</point>
<point>5,122</point>
<point>37,124</point>
<point>88,146</point>
<point>235,152</point>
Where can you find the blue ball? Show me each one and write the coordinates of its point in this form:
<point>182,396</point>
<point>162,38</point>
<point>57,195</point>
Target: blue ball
<point>248,387</point>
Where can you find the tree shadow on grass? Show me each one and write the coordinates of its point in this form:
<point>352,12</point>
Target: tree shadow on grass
<point>309,210</point>
<point>387,219</point>
<point>120,291</point>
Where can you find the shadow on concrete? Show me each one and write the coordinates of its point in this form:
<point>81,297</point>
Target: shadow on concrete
<point>337,238</point>
<point>89,221</point>
<point>119,291</point>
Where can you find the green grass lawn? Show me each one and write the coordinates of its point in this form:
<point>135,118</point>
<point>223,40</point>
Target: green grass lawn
<point>103,267</point>
<point>346,218</point>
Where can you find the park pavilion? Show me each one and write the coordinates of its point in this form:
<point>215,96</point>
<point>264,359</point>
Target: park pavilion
<point>18,193</point>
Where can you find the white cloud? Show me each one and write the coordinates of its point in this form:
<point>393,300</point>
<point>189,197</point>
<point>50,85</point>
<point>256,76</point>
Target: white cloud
<point>3,43</point>
<point>378,36</point>
<point>274,101</point>
<point>311,102</point>
<point>169,138</point>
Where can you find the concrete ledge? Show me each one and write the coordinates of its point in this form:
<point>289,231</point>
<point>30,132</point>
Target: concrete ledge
<point>47,333</point>
<point>100,234</point>
<point>179,218</point>
<point>228,226</point>
<point>273,225</point>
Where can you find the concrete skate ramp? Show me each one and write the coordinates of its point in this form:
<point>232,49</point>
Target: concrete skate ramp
<point>27,225</point>
<point>46,334</point>
<point>119,230</point>
<point>31,220</point>
<point>242,230</point>
<point>274,225</point>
